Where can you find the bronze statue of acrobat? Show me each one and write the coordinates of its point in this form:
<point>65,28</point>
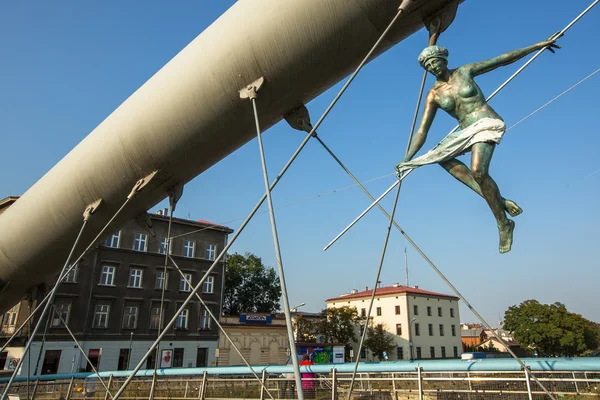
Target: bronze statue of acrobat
<point>456,92</point>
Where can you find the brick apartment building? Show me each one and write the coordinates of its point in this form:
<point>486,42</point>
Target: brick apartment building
<point>111,302</point>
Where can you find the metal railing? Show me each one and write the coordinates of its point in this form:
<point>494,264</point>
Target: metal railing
<point>334,385</point>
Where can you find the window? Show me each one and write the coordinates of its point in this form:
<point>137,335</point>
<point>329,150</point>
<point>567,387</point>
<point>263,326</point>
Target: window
<point>432,351</point>
<point>188,248</point>
<point>140,242</point>
<point>439,311</point>
<point>443,351</point>
<point>177,358</point>
<point>453,328</point>
<point>452,313</point>
<point>130,317</point>
<point>455,352</point>
<point>123,363</point>
<point>72,275</point>
<point>363,312</point>
<point>62,310</point>
<point>416,310</point>
<point>160,280</point>
<point>182,319</point>
<point>428,311</point>
<point>397,310</point>
<point>10,318</point>
<point>418,352</point>
<point>441,330</point>
<point>211,251</point>
<point>379,311</point>
<point>162,247</point>
<point>204,319</point>
<point>155,317</point>
<point>400,353</point>
<point>399,329</point>
<point>430,329</point>
<point>107,277</point>
<point>208,285</point>
<point>363,353</point>
<point>135,278</point>
<point>114,240</point>
<point>184,286</point>
<point>417,330</point>
<point>101,316</point>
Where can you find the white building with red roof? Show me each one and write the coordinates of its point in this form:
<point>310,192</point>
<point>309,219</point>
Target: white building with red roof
<point>425,325</point>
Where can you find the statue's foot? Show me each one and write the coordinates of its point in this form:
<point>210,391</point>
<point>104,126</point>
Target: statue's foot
<point>512,208</point>
<point>506,236</point>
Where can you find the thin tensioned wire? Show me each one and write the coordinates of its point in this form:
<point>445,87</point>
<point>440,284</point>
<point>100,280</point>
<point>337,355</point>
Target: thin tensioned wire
<point>280,270</point>
<point>214,318</point>
<point>260,202</point>
<point>489,98</point>
<point>133,192</point>
<point>45,310</point>
<point>62,320</point>
<point>432,40</point>
<point>162,293</point>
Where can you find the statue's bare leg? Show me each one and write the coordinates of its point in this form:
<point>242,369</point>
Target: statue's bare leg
<point>480,164</point>
<point>461,172</point>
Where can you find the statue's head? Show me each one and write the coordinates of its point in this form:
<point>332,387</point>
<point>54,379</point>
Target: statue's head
<point>434,59</point>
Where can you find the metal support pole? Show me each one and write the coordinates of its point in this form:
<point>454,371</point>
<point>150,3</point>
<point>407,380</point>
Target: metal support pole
<point>204,383</point>
<point>110,378</point>
<point>86,216</point>
<point>35,386</point>
<point>82,351</point>
<point>529,394</point>
<point>334,387</point>
<point>214,318</point>
<point>70,388</point>
<point>575,383</point>
<point>280,270</point>
<point>263,381</point>
<point>187,384</point>
<point>39,358</point>
<point>420,377</point>
<point>275,181</point>
<point>470,386</point>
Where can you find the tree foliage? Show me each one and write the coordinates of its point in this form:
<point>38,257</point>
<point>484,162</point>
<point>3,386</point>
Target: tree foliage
<point>551,329</point>
<point>250,286</point>
<point>338,325</point>
<point>379,340</point>
<point>306,330</point>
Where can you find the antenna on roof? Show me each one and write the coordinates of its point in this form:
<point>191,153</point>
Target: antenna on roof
<point>406,265</point>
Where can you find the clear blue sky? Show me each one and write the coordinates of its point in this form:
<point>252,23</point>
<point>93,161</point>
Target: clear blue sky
<point>66,66</point>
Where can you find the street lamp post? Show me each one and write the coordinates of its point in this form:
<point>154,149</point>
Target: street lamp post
<point>295,309</point>
<point>410,341</point>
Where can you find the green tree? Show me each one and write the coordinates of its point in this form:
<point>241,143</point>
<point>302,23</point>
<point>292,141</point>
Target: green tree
<point>250,286</point>
<point>306,330</point>
<point>551,329</point>
<point>338,325</point>
<point>379,340</point>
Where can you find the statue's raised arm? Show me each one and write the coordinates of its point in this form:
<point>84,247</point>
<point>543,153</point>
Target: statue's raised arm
<point>456,92</point>
<point>510,57</point>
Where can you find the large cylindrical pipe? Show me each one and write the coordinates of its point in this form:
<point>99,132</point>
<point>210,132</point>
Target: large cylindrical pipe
<point>189,116</point>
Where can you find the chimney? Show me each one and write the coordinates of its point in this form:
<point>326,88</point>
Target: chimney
<point>416,287</point>
<point>353,291</point>
<point>159,212</point>
<point>165,211</point>
<point>395,284</point>
<point>366,288</point>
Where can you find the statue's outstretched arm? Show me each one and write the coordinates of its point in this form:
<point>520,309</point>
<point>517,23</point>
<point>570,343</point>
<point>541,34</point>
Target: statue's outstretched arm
<point>429,112</point>
<point>482,67</point>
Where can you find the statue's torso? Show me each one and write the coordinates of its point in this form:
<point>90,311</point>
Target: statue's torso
<point>462,98</point>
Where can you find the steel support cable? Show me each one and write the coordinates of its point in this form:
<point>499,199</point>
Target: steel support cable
<point>434,35</point>
<point>261,201</point>
<point>280,271</point>
<point>82,351</point>
<point>214,318</point>
<point>502,86</point>
<point>162,294</point>
<point>61,276</point>
<point>45,310</point>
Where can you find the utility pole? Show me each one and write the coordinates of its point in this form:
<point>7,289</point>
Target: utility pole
<point>406,265</point>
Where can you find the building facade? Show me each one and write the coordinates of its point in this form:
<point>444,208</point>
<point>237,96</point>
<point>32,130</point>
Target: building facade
<point>424,324</point>
<point>111,302</point>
